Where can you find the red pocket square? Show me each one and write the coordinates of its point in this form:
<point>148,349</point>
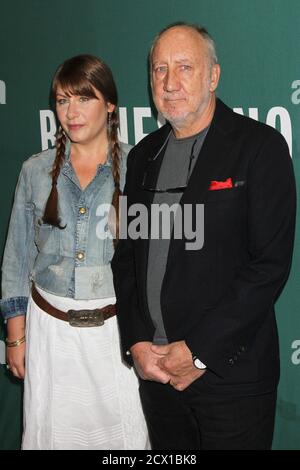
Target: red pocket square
<point>220,184</point>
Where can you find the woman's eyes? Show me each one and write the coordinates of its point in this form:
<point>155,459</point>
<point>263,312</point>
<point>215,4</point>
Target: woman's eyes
<point>61,101</point>
<point>81,99</point>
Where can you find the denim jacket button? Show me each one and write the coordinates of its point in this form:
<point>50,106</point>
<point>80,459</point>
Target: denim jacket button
<point>80,255</point>
<point>82,210</point>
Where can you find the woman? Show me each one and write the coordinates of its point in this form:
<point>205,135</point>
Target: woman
<point>78,394</point>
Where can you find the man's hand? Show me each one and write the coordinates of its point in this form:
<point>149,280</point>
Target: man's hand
<point>176,361</point>
<point>146,362</point>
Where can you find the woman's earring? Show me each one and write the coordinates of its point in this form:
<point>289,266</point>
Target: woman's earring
<point>109,123</point>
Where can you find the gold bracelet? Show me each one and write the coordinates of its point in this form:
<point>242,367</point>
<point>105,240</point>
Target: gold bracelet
<point>12,344</point>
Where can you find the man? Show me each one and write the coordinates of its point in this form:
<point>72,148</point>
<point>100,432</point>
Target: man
<point>199,324</point>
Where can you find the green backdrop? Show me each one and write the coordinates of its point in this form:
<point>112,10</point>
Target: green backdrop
<point>258,43</point>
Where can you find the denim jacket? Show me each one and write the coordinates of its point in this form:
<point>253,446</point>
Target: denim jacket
<point>73,261</point>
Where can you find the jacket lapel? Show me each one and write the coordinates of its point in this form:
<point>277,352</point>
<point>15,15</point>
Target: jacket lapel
<point>212,155</point>
<point>212,158</point>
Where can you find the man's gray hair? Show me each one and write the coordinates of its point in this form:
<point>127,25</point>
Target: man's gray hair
<point>211,47</point>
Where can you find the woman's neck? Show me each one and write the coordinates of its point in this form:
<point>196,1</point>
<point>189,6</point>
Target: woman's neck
<point>86,158</point>
<point>90,154</point>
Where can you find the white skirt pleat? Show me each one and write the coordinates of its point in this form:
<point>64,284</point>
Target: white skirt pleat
<point>78,393</point>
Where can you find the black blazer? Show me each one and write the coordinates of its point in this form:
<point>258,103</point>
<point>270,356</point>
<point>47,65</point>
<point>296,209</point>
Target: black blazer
<point>219,299</point>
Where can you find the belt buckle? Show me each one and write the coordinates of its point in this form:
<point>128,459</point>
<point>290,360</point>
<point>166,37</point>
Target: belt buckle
<point>86,318</point>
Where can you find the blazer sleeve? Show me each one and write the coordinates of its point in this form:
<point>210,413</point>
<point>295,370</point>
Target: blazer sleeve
<point>130,319</point>
<point>233,323</point>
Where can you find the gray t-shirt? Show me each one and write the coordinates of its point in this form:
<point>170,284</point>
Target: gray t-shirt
<point>173,174</point>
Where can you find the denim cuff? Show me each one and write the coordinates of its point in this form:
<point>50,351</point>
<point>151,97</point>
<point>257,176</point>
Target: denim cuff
<point>13,306</point>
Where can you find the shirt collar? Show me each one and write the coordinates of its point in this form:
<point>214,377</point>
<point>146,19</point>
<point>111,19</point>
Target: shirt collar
<point>108,162</point>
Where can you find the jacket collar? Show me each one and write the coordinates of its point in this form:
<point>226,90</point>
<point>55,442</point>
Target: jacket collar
<point>212,154</point>
<point>223,120</point>
<point>213,149</point>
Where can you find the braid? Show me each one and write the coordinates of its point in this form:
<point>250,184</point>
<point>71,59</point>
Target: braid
<point>51,208</point>
<point>116,151</point>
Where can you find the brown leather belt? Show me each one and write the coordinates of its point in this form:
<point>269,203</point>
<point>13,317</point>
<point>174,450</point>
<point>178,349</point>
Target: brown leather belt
<point>79,318</point>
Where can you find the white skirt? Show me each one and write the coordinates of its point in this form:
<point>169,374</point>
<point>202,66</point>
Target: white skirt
<point>78,394</point>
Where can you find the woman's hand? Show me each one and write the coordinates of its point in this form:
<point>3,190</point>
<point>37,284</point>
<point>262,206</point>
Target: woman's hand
<point>15,355</point>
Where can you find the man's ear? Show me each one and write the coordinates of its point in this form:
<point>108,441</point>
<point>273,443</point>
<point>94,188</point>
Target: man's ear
<point>214,77</point>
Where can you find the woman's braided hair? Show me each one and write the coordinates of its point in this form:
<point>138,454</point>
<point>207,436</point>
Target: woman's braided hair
<point>80,75</point>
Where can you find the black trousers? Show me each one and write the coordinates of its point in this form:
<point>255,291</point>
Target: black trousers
<point>189,421</point>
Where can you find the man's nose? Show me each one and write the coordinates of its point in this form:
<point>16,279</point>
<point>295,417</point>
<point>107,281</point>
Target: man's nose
<point>171,82</point>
